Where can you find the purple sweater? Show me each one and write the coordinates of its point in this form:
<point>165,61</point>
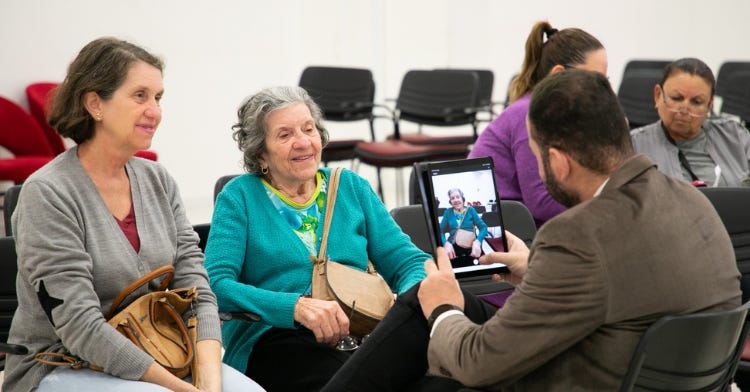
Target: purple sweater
<point>506,140</point>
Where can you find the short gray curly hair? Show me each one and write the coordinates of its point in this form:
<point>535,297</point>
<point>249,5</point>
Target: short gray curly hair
<point>250,131</point>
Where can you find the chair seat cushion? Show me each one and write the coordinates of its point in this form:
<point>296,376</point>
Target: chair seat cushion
<point>397,153</point>
<point>421,139</point>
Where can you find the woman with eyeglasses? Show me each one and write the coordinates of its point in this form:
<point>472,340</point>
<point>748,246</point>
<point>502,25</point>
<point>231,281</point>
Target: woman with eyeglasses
<point>687,142</point>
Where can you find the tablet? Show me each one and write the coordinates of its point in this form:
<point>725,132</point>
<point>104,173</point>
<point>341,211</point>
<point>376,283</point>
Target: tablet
<point>461,204</point>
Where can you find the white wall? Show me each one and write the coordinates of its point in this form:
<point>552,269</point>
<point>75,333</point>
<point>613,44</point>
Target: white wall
<point>219,52</point>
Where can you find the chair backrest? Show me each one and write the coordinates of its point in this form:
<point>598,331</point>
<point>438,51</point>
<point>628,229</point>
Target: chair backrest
<point>219,185</point>
<point>9,205</point>
<point>725,74</point>
<point>438,97</point>
<point>694,352</point>
<point>19,132</point>
<point>518,220</point>
<point>412,221</point>
<point>731,205</point>
<point>202,229</point>
<point>40,96</point>
<point>486,79</point>
<point>736,95</point>
<point>636,92</point>
<point>344,94</point>
<point>8,271</point>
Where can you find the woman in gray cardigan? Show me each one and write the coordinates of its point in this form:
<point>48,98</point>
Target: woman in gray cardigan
<point>685,143</point>
<point>94,220</point>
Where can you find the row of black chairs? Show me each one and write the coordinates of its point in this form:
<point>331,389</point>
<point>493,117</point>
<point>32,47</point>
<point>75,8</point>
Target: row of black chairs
<point>435,97</point>
<point>636,91</point>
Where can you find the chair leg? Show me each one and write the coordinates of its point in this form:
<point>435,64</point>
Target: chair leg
<point>380,184</point>
<point>399,187</point>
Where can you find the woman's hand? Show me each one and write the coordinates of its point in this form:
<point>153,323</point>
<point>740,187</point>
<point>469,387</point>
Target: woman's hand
<point>516,258</point>
<point>325,319</point>
<point>449,250</point>
<point>476,249</point>
<point>157,374</point>
<point>208,353</point>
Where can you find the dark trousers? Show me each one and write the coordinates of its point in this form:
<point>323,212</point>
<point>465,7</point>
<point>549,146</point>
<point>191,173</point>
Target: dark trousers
<point>291,360</point>
<point>463,257</point>
<point>394,357</point>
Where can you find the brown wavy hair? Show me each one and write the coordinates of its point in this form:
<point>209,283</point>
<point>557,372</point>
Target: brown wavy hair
<point>101,66</point>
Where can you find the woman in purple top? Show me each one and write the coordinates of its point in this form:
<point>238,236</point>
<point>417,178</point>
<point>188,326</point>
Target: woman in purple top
<point>506,138</point>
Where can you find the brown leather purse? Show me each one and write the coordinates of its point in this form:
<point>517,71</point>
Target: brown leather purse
<point>363,295</point>
<point>154,323</point>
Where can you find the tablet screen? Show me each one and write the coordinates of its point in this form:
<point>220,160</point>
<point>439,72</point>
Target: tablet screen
<point>462,206</point>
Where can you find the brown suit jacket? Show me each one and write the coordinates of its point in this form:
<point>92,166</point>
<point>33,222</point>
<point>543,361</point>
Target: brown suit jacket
<point>599,274</point>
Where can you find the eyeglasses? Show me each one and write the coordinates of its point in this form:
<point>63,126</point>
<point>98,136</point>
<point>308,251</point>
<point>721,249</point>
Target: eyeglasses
<point>693,109</point>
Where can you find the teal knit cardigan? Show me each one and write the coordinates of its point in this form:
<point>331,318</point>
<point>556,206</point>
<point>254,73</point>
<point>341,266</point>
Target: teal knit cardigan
<point>256,263</point>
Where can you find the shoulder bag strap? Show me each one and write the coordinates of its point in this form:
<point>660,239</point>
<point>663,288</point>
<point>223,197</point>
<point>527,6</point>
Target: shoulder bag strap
<point>167,270</point>
<point>333,185</point>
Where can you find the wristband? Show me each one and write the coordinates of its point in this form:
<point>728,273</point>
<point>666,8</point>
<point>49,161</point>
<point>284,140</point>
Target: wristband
<point>440,310</point>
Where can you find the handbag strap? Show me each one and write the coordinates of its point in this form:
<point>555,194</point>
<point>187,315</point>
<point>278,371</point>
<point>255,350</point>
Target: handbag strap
<point>167,270</point>
<point>333,186</point>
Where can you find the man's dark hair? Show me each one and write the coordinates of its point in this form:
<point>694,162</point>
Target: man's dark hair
<point>576,111</point>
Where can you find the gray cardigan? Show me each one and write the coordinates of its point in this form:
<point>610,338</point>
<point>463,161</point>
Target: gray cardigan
<point>70,247</point>
<point>728,146</point>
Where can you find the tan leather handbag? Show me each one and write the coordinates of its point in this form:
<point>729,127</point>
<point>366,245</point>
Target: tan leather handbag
<point>363,295</point>
<point>154,323</point>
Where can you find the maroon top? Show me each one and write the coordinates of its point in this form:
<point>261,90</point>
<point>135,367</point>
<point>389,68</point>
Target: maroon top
<point>128,227</point>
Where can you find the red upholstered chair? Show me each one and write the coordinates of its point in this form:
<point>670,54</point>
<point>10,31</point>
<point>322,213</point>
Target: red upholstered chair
<point>40,96</point>
<point>21,135</point>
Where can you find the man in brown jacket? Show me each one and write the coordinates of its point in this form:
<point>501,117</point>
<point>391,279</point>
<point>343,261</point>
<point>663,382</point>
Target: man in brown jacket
<point>634,246</point>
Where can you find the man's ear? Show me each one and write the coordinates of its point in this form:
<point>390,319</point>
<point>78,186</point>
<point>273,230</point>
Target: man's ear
<point>93,104</point>
<point>559,163</point>
<point>557,68</point>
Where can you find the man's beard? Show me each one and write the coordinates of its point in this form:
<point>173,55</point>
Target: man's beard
<point>568,199</point>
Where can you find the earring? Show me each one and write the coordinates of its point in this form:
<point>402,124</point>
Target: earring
<point>98,116</point>
<point>264,170</point>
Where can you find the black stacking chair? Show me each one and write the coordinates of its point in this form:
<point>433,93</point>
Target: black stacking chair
<point>692,352</point>
<point>517,219</point>
<point>8,300</point>
<point>221,182</point>
<point>725,75</point>
<point>433,98</point>
<point>9,205</point>
<point>444,98</point>
<point>733,86</point>
<point>731,205</point>
<point>485,105</point>
<point>344,95</point>
<point>636,92</point>
<point>412,221</point>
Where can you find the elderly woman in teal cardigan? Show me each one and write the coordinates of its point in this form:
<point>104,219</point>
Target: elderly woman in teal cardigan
<point>266,225</point>
<point>464,248</point>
